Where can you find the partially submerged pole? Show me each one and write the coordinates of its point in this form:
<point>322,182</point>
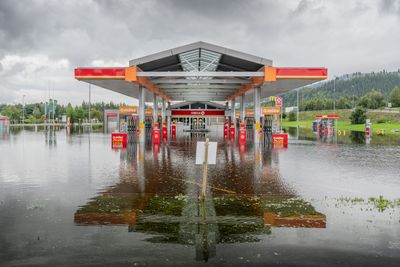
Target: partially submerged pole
<point>205,169</point>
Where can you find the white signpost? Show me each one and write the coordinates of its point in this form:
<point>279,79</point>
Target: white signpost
<point>201,153</point>
<point>206,153</point>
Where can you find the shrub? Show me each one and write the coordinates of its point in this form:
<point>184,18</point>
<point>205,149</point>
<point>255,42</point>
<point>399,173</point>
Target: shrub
<point>292,116</point>
<point>358,116</point>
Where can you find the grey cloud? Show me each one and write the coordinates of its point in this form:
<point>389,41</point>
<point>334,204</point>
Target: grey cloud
<point>292,33</point>
<point>390,6</point>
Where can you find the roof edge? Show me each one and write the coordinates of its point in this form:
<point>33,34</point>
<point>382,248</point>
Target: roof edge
<point>203,45</point>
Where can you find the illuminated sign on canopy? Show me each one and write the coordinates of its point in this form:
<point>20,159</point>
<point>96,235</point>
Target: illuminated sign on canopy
<point>128,109</point>
<point>271,110</point>
<point>197,113</point>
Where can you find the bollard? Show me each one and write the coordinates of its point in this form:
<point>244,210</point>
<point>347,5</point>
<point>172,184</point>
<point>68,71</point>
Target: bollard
<point>164,131</point>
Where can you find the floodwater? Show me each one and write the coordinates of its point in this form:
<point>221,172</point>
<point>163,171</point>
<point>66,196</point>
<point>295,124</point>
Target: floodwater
<point>69,199</point>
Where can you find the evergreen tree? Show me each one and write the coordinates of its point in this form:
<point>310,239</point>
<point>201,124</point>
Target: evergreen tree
<point>395,97</point>
<point>358,116</point>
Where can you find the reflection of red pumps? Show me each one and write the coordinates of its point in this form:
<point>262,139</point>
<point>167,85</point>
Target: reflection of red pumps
<point>155,133</point>
<point>164,132</point>
<point>242,134</point>
<point>232,131</point>
<point>173,129</point>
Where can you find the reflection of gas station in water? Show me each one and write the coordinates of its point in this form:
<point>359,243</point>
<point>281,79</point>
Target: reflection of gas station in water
<point>157,194</point>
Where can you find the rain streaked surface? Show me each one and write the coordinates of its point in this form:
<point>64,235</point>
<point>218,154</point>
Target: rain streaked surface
<point>71,199</point>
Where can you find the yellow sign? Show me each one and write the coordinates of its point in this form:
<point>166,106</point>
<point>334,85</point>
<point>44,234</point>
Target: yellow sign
<point>149,112</point>
<point>248,113</point>
<point>128,109</point>
<point>271,110</point>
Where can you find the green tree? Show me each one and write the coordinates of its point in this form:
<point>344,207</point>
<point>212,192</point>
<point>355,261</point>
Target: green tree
<point>80,113</point>
<point>97,114</point>
<point>358,116</point>
<point>70,112</point>
<point>395,97</point>
<point>13,112</point>
<point>372,100</point>
<point>36,113</point>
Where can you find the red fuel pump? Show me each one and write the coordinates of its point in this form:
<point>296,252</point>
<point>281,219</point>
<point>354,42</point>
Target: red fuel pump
<point>155,133</point>
<point>173,129</point>
<point>164,131</point>
<point>232,131</point>
<point>226,124</point>
<point>242,134</point>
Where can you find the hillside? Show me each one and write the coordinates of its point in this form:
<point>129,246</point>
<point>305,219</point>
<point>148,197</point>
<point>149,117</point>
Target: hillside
<point>352,86</point>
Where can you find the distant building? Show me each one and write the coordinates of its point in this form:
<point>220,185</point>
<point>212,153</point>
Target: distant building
<point>291,109</point>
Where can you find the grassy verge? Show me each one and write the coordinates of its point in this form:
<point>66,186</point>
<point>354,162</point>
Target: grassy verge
<point>347,126</point>
<point>380,120</point>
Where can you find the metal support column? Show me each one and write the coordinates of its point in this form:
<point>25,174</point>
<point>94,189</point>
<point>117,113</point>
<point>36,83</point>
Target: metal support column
<point>242,108</point>
<point>233,116</point>
<point>169,117</point>
<point>142,99</point>
<point>163,108</point>
<point>155,109</point>
<point>257,114</point>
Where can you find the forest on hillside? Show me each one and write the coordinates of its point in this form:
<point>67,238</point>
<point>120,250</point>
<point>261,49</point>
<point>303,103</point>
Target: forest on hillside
<point>36,112</point>
<point>349,91</point>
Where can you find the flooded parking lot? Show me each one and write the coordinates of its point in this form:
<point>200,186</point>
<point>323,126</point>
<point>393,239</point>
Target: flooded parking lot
<point>71,199</point>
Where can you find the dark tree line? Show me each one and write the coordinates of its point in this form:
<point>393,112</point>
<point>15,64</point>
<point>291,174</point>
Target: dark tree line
<point>372,90</point>
<point>34,113</point>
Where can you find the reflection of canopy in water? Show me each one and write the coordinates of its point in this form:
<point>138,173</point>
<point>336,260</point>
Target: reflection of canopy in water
<point>155,212</point>
<point>184,220</point>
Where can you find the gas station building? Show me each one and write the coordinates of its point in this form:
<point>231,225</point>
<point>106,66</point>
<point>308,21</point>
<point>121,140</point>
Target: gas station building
<point>198,85</point>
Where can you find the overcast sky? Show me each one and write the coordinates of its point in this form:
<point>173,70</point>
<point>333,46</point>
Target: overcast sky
<point>41,42</point>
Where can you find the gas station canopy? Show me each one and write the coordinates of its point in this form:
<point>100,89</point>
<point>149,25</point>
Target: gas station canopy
<point>200,72</point>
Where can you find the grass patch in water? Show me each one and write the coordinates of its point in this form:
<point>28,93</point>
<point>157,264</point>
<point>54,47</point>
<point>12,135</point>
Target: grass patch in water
<point>291,207</point>
<point>238,206</point>
<point>108,204</point>
<point>382,203</point>
<point>165,205</point>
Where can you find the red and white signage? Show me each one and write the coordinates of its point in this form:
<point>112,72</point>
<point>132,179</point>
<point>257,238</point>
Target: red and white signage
<point>197,113</point>
<point>278,101</point>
